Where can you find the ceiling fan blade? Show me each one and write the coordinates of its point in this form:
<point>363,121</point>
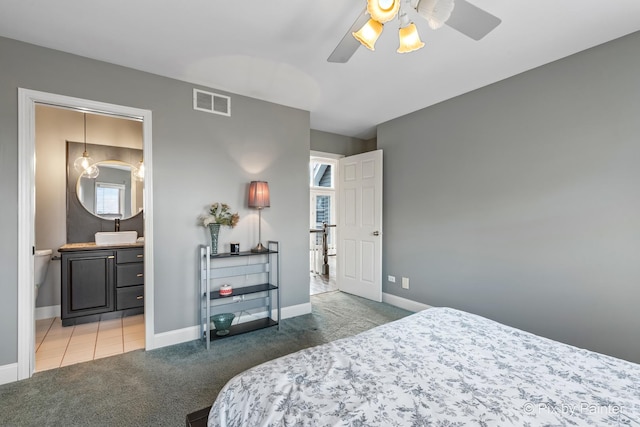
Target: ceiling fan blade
<point>348,45</point>
<point>472,21</point>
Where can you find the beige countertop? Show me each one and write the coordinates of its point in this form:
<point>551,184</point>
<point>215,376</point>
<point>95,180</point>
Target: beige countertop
<point>70,247</point>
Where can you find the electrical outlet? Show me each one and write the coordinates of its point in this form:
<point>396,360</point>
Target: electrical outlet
<point>391,278</point>
<point>405,283</point>
<point>238,298</point>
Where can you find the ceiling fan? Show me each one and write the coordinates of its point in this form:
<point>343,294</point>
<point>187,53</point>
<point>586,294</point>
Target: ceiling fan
<point>460,15</point>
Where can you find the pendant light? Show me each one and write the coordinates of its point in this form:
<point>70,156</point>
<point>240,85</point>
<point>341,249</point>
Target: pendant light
<point>84,164</point>
<point>138,171</point>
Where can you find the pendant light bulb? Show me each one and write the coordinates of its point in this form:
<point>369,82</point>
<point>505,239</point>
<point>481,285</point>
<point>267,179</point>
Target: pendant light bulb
<point>91,172</point>
<point>82,162</point>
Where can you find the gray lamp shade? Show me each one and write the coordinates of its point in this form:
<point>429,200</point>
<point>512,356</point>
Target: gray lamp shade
<point>259,195</point>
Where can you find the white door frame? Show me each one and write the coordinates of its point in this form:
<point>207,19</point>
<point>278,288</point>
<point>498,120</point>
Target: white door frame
<point>27,100</point>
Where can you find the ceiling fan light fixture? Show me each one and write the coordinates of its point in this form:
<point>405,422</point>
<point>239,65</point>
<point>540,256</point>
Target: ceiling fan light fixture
<point>369,33</point>
<point>409,39</point>
<point>383,10</point>
<point>436,12</point>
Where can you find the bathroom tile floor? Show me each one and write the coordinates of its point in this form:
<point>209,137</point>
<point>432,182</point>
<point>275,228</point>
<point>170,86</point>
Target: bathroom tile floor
<point>58,346</point>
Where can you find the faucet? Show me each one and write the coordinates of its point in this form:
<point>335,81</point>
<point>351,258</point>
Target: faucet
<point>117,224</point>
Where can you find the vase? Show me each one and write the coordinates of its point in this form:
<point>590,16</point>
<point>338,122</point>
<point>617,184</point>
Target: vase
<point>214,229</point>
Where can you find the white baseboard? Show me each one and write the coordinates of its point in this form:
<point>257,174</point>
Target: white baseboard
<point>176,336</point>
<point>47,312</point>
<point>193,332</point>
<point>8,373</point>
<point>404,303</point>
<point>296,310</point>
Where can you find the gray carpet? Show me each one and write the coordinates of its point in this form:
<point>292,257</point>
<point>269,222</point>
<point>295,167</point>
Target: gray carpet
<point>161,387</point>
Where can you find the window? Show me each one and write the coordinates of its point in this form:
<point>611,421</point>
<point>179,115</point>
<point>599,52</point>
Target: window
<point>321,175</point>
<point>110,199</point>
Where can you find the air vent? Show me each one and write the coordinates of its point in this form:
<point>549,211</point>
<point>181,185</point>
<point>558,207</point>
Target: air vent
<point>211,102</point>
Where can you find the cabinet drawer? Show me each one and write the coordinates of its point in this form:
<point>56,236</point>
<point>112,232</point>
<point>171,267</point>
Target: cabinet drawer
<point>129,274</point>
<point>130,297</point>
<point>124,256</point>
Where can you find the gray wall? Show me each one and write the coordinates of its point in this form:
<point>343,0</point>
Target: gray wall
<point>198,158</point>
<point>521,201</point>
<point>327,142</point>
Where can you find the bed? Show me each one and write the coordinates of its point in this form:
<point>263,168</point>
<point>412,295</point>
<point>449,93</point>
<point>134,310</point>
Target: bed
<point>438,367</point>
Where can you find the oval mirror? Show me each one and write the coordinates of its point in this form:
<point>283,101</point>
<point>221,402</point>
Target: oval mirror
<point>114,193</point>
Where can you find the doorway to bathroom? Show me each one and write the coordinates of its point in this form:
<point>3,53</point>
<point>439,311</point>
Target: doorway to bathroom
<point>73,201</point>
<point>32,234</point>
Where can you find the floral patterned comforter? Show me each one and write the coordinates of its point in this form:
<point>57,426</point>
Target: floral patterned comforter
<point>438,367</point>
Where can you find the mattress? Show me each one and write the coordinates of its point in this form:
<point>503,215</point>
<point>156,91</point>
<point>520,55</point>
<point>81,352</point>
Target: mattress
<point>438,367</point>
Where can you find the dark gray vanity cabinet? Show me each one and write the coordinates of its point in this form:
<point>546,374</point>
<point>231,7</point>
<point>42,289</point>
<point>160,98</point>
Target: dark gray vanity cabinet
<point>101,283</point>
<point>88,284</point>
<point>129,278</point>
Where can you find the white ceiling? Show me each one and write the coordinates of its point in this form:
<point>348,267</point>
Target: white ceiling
<point>276,50</point>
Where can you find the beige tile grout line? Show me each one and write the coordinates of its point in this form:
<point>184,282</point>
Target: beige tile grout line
<point>53,320</point>
<point>71,336</point>
<point>67,347</point>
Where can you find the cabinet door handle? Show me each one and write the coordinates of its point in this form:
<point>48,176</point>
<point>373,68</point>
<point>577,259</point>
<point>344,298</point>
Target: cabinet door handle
<point>111,257</point>
<point>140,256</point>
<point>139,275</point>
<point>140,297</point>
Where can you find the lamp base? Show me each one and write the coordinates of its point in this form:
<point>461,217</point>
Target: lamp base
<point>259,248</point>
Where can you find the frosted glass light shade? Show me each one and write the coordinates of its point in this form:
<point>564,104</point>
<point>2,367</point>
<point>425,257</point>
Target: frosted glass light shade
<point>383,10</point>
<point>436,12</point>
<point>369,33</point>
<point>409,39</point>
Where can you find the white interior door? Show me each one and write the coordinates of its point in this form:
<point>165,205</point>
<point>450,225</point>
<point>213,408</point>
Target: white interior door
<point>359,263</point>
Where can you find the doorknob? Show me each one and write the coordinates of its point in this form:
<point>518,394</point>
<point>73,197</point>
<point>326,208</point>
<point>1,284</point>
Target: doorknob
<point>376,233</point>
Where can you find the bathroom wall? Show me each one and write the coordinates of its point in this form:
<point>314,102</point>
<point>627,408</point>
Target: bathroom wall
<point>54,126</point>
<point>82,224</point>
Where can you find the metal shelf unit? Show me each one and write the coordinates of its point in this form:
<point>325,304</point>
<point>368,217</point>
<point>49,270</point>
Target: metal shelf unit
<point>257,279</point>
